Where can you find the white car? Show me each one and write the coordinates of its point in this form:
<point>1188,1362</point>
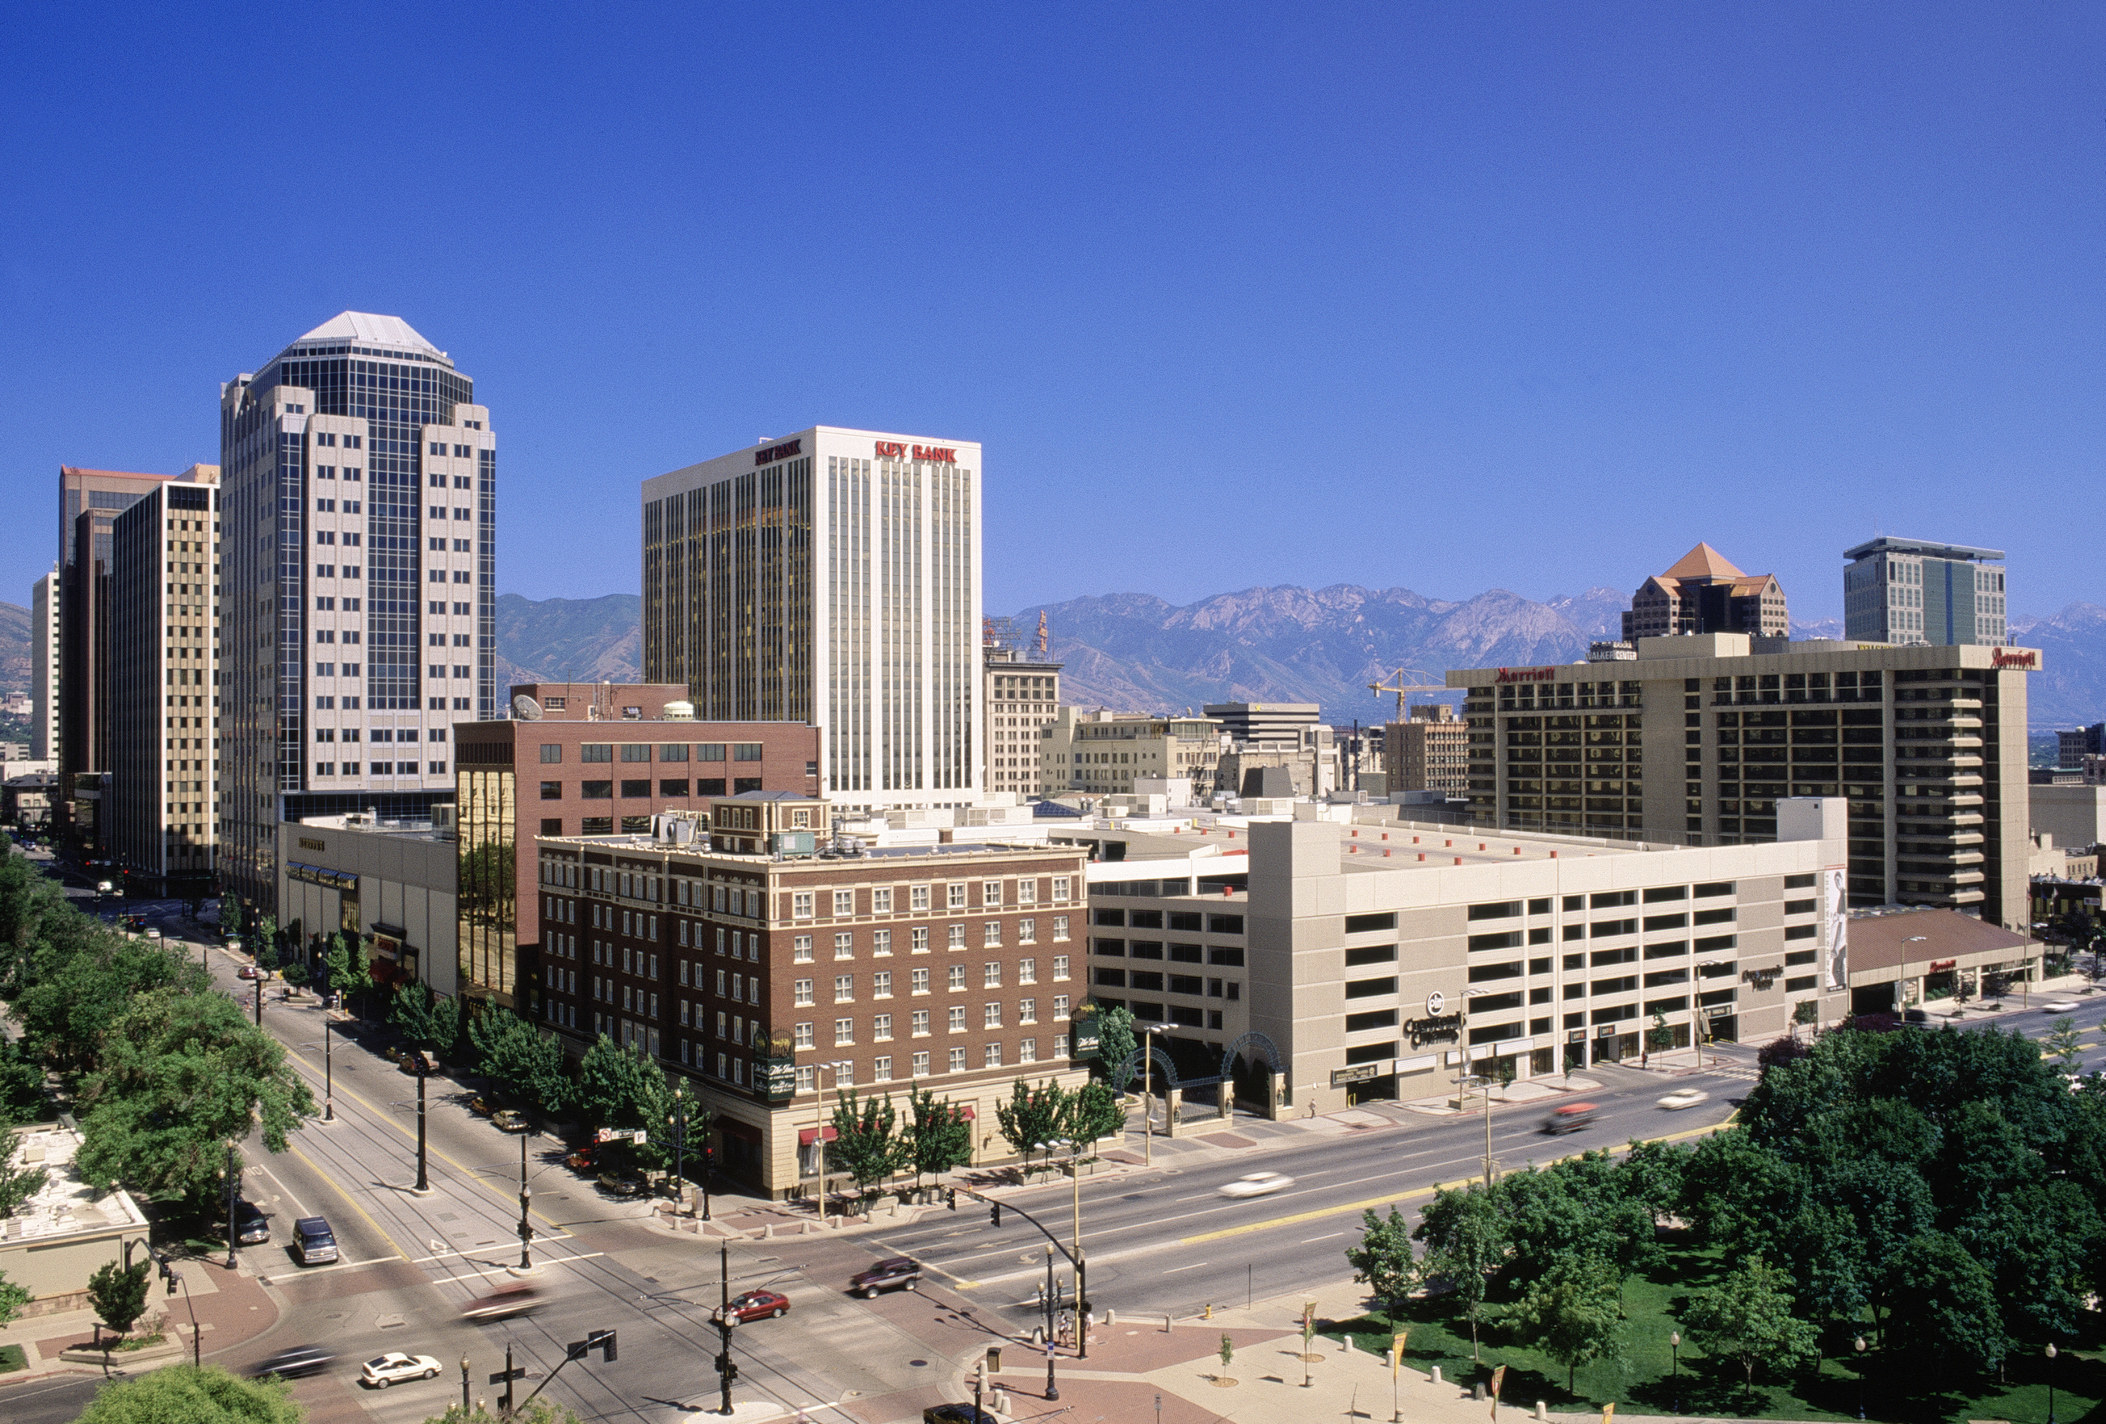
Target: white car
<point>1257,1184</point>
<point>2060,1006</point>
<point>384,1370</point>
<point>150,933</point>
<point>1682,1098</point>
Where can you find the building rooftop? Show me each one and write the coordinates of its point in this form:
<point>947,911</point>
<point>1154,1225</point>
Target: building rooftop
<point>1890,936</point>
<point>639,842</point>
<point>67,1204</point>
<point>1891,545</point>
<point>1704,562</point>
<point>369,329</point>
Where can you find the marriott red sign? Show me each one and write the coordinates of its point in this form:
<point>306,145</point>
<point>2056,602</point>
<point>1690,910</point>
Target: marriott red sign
<point>1542,674</point>
<point>2015,658</point>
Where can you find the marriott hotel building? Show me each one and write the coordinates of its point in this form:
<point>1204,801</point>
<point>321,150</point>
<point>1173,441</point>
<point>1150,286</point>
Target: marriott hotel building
<point>1698,738</point>
<point>830,577</point>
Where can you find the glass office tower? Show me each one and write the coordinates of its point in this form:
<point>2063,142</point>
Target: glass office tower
<point>359,584</point>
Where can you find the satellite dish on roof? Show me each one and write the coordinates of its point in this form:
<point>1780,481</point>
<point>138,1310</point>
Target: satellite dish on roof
<point>525,708</point>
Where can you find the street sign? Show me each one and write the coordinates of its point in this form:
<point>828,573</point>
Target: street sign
<point>501,1376</point>
<point>620,1134</point>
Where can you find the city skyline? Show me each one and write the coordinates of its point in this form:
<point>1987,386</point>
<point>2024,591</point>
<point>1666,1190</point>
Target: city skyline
<point>1513,258</point>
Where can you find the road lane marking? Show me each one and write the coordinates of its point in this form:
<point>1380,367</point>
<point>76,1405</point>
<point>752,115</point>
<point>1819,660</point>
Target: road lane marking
<point>349,1200</point>
<point>1193,1267</point>
<point>297,1203</point>
<point>1312,1240</point>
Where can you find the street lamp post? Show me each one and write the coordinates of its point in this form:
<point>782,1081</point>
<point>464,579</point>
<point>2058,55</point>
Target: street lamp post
<point>819,1117</point>
<point>464,1384</point>
<point>1148,1033</point>
<point>1859,1346</point>
<point>2051,1353</point>
<point>1674,1343</point>
<point>233,1187</point>
<point>679,1148</point>
<point>328,1069</point>
<point>526,1200</point>
<point>423,1181</point>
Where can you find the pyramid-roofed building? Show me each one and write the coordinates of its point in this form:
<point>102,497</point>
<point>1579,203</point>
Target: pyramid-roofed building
<point>1705,592</point>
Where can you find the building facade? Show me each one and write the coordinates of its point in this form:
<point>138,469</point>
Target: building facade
<point>2072,747</point>
<point>394,885</point>
<point>1390,959</point>
<point>1102,752</point>
<point>1699,738</point>
<point>89,503</point>
<point>162,797</point>
<point>830,577</point>
<point>1429,751</point>
<point>573,772</point>
<point>1019,695</point>
<point>768,979</point>
<point>359,616</point>
<point>1911,591</point>
<point>44,668</point>
<point>1705,593</point>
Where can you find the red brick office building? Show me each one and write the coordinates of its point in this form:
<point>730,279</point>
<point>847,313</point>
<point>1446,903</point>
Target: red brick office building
<point>600,759</point>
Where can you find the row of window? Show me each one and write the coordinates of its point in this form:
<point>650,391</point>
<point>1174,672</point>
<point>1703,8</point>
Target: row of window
<point>918,980</point>
<point>804,1036</point>
<point>957,1061</point>
<point>552,752</point>
<point>956,896</point>
<point>639,789</point>
<point>378,768</point>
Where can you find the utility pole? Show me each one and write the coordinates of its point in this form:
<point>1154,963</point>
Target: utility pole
<point>259,996</point>
<point>679,1149</point>
<point>526,1227</point>
<point>727,1368</point>
<point>233,1187</point>
<point>423,1181</point>
<point>328,1069</point>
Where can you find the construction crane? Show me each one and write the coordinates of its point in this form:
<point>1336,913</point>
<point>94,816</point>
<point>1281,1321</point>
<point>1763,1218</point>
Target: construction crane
<point>1403,689</point>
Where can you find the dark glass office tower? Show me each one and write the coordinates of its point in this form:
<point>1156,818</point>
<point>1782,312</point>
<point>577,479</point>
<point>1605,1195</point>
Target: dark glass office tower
<point>359,583</point>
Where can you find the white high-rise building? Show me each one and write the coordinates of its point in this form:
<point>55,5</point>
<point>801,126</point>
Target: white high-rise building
<point>829,577</point>
<point>358,616</point>
<point>43,667</point>
<point>1913,591</point>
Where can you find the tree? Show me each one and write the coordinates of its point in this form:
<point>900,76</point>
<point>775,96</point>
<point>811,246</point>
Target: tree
<point>118,1293</point>
<point>1465,1233</point>
<point>1943,1306</point>
<point>81,976</point>
<point>195,1396</point>
<point>1748,1319</point>
<point>18,1183</point>
<point>1094,1111</point>
<point>21,1084</point>
<point>515,1053</point>
<point>866,1141</point>
<point>1658,1039</point>
<point>939,1136</point>
<point>12,1299</point>
<point>345,960</point>
<point>426,1020</point>
<point>1227,1351</point>
<point>1572,1314</point>
<point>263,941</point>
<point>621,1087</point>
<point>1034,1118</point>
<point>229,915</point>
<point>538,1410</point>
<point>1383,1259</point>
<point>1652,1174</point>
<point>1115,1040</point>
<point>182,1076</point>
<point>2067,1045</point>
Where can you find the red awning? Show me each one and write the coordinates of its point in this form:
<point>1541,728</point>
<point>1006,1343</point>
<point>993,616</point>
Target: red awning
<point>806,1136</point>
<point>965,1111</point>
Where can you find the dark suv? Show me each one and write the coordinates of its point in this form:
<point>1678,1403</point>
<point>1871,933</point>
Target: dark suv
<point>894,1273</point>
<point>251,1226</point>
<point>315,1241</point>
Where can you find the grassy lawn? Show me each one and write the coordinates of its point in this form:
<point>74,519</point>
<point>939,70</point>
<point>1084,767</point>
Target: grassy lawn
<point>1647,1382</point>
<point>12,1358</point>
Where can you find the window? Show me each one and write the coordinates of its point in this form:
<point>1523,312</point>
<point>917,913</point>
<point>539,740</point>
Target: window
<point>801,993</point>
<point>1060,887</point>
<point>956,978</point>
<point>806,1076</point>
<point>954,896</point>
<point>844,988</point>
<point>844,1032</point>
<point>955,938</point>
<point>918,897</point>
<point>991,936</point>
<point>881,1028</point>
<point>881,902</point>
<point>1027,1011</point>
<point>920,981</point>
<point>919,1023</point>
<point>921,1065</point>
<point>881,984</point>
<point>991,974</point>
<point>1060,967</point>
<point>881,1068</point>
<point>844,902</point>
<point>1027,892</point>
<point>801,1036</point>
<point>957,1060</point>
<point>881,943</point>
<point>844,945</point>
<point>551,753</point>
<point>1060,926</point>
<point>1060,1008</point>
<point>552,791</point>
<point>992,1055</point>
<point>1027,931</point>
<point>991,1015</point>
<point>1027,971</point>
<point>990,892</point>
<point>800,948</point>
<point>957,1019</point>
<point>918,939</point>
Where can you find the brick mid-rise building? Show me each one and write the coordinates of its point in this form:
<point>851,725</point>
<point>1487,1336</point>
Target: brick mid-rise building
<point>769,975</point>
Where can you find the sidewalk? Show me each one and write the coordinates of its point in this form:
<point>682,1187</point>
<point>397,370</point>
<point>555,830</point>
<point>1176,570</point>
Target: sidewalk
<point>232,1309</point>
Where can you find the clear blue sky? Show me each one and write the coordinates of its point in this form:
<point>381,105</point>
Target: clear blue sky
<point>1447,296</point>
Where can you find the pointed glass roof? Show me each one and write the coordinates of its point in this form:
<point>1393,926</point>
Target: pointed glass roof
<point>371,330</point>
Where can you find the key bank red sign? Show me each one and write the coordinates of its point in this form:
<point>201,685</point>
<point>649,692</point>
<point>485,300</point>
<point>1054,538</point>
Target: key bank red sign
<point>1542,674</point>
<point>2015,658</point>
<point>772,453</point>
<point>933,454</point>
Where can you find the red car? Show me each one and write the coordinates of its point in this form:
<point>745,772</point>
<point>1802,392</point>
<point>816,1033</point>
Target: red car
<point>584,1159</point>
<point>756,1305</point>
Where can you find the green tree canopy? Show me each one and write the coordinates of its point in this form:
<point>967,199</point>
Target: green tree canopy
<point>1034,1118</point>
<point>1572,1315</point>
<point>939,1136</point>
<point>183,1075</point>
<point>12,1299</point>
<point>1943,1307</point>
<point>1748,1319</point>
<point>622,1087</point>
<point>193,1396</point>
<point>1115,1039</point>
<point>525,1060</point>
<point>867,1144</point>
<point>1383,1260</point>
<point>118,1293</point>
<point>1465,1233</point>
<point>81,976</point>
<point>1094,1112</point>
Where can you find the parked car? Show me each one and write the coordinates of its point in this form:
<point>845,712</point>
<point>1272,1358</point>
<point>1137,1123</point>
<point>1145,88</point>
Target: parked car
<point>250,971</point>
<point>1914,1016</point>
<point>1682,1098</point>
<point>481,1106</point>
<point>151,932</point>
<point>621,1182</point>
<point>313,1241</point>
<point>503,1304</point>
<point>1257,1184</point>
<point>506,1120</point>
<point>251,1226</point>
<point>956,1414</point>
<point>893,1273</point>
<point>1571,1118</point>
<point>583,1159</point>
<point>296,1363</point>
<point>393,1367</point>
<point>756,1305</point>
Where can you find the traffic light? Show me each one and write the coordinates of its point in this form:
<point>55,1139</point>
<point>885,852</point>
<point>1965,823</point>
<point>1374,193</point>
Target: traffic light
<point>951,1199</point>
<point>994,1213</point>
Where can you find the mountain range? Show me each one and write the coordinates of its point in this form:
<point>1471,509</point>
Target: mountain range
<point>1136,652</point>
